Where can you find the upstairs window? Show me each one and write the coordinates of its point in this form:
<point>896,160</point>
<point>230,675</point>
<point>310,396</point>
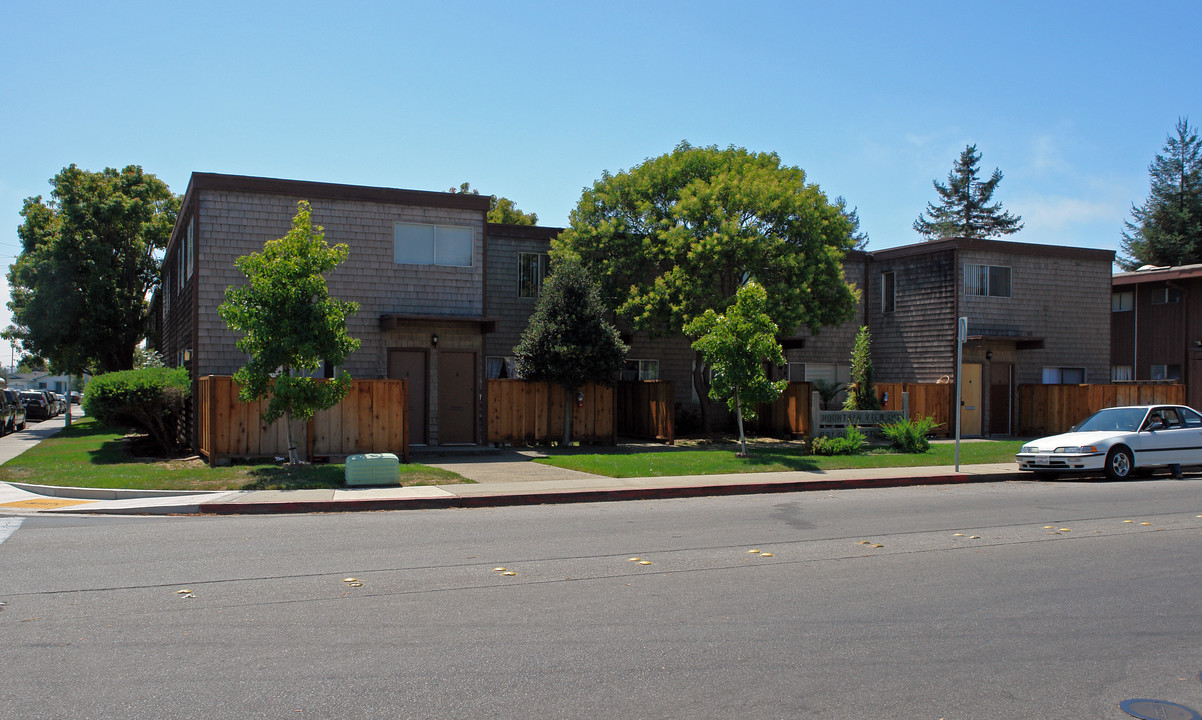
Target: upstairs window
<point>888,292</point>
<point>641,370</point>
<point>987,280</point>
<point>1122,301</point>
<point>532,270</point>
<point>1165,296</point>
<point>419,244</point>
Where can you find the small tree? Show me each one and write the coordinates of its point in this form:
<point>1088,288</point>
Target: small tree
<point>736,345</point>
<point>863,391</point>
<point>291,324</point>
<point>500,209</point>
<point>568,340</point>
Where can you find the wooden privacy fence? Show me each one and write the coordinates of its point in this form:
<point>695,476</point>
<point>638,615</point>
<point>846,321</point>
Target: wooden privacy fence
<point>790,414</point>
<point>522,411</point>
<point>373,417</point>
<point>1051,409</point>
<point>932,400</point>
<point>645,409</point>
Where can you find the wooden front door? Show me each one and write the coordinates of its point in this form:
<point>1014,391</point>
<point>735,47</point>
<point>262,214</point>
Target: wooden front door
<point>411,365</point>
<point>1000,383</point>
<point>970,399</point>
<point>456,397</point>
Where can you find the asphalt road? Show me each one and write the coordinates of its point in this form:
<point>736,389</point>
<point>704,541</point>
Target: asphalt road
<point>1021,621</point>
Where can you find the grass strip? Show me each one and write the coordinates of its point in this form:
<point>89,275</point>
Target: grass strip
<point>89,454</point>
<point>670,461</point>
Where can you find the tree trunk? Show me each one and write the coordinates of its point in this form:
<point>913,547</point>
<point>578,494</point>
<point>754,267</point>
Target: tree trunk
<point>701,387</point>
<point>739,417</point>
<point>293,458</point>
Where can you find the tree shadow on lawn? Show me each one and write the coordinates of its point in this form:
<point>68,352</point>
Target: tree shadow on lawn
<point>302,477</point>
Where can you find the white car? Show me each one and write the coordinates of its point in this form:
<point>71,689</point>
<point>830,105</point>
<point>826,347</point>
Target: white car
<point>1120,441</point>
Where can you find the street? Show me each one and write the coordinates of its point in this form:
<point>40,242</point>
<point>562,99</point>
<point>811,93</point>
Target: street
<point>1000,600</point>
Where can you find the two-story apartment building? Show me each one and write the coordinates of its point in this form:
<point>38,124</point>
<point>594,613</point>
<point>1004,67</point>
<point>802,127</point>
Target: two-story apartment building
<point>1156,327</point>
<point>444,296</point>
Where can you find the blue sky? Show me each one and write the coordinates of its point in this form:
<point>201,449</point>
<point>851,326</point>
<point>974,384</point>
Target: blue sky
<point>531,100</point>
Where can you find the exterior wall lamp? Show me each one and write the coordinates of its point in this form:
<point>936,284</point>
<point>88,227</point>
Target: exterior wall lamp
<point>434,340</point>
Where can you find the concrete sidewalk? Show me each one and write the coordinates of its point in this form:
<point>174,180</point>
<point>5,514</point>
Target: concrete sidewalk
<point>507,478</point>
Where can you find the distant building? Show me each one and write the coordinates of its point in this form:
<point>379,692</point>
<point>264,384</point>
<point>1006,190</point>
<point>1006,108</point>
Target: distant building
<point>1156,327</point>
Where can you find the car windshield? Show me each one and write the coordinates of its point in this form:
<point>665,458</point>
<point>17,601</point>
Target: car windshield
<point>1121,419</point>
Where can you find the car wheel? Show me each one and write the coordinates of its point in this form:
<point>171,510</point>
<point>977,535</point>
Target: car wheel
<point>1119,463</point>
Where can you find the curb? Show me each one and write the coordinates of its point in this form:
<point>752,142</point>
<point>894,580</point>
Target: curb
<point>582,496</point>
<point>79,493</point>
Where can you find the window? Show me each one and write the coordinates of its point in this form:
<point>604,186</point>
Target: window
<point>1165,296</point>
<point>1063,375</point>
<point>827,372</point>
<point>188,250</point>
<point>532,268</point>
<point>888,292</point>
<point>641,370</point>
<point>1121,373</point>
<point>1190,418</point>
<point>416,244</point>
<point>1122,301</point>
<point>1166,372</point>
<point>987,280</point>
<point>500,368</point>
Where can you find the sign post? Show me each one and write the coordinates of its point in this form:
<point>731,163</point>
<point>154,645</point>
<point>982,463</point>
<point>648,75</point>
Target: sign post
<point>961,338</point>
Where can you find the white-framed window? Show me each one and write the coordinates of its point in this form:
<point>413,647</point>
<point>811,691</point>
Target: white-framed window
<point>1166,372</point>
<point>987,280</point>
<point>641,370</point>
<point>1121,373</point>
<point>888,292</point>
<point>1063,376</point>
<point>532,270</point>
<point>1122,301</point>
<point>827,372</point>
<point>1165,296</point>
<point>497,368</point>
<point>422,244</point>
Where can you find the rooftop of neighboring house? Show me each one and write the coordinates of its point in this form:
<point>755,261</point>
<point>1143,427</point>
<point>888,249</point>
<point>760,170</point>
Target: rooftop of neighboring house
<point>1000,246</point>
<point>1153,273</point>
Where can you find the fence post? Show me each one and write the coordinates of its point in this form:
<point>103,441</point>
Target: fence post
<point>815,408</point>
<point>906,405</point>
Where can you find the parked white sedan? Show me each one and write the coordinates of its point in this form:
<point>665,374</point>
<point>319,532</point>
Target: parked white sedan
<point>1120,441</point>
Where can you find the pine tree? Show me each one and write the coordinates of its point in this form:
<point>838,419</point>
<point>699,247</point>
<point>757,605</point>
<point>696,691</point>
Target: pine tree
<point>1167,228</point>
<point>964,209</point>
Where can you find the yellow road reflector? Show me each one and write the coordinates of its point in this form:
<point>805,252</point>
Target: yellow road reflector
<point>1065,530</point>
<point>644,562</point>
<point>1145,523</point>
<point>182,592</point>
<point>1128,521</point>
<point>878,545</point>
<point>350,579</point>
<point>633,559</point>
<point>45,503</point>
<point>957,534</point>
<point>1049,527</point>
<point>974,537</point>
<point>865,542</point>
<point>354,584</point>
<point>765,554</point>
<point>498,569</point>
<point>509,572</point>
<point>753,551</point>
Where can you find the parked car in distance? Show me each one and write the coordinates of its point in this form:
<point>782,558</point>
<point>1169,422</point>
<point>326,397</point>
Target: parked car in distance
<point>53,400</point>
<point>63,405</point>
<point>8,414</point>
<point>76,397</point>
<point>1119,441</point>
<point>18,410</point>
<point>37,405</point>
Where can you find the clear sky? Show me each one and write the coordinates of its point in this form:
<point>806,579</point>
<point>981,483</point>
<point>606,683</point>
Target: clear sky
<point>533,100</point>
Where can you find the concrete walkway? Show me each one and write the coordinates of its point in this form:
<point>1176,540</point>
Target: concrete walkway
<point>507,477</point>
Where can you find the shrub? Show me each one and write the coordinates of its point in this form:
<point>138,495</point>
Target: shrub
<point>910,436</point>
<point>851,443</point>
<point>150,400</point>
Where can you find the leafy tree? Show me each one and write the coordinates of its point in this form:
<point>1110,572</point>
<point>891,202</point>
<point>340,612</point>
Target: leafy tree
<point>1168,226</point>
<point>291,324</point>
<point>501,209</point>
<point>568,340</point>
<point>681,233</point>
<point>87,263</point>
<point>964,209</point>
<point>863,391</point>
<point>736,345</point>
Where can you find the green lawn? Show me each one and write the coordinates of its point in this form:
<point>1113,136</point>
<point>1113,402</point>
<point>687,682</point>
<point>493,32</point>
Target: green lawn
<point>687,461</point>
<point>89,454</point>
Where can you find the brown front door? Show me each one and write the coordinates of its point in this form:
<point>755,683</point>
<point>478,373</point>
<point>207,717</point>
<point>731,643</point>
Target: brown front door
<point>456,397</point>
<point>411,365</point>
<point>1000,383</point>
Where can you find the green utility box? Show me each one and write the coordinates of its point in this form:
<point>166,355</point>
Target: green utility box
<point>373,469</point>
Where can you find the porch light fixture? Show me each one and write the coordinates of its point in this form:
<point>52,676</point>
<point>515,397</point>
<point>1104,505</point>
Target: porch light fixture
<point>988,354</point>
<point>434,339</point>
<point>187,354</point>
